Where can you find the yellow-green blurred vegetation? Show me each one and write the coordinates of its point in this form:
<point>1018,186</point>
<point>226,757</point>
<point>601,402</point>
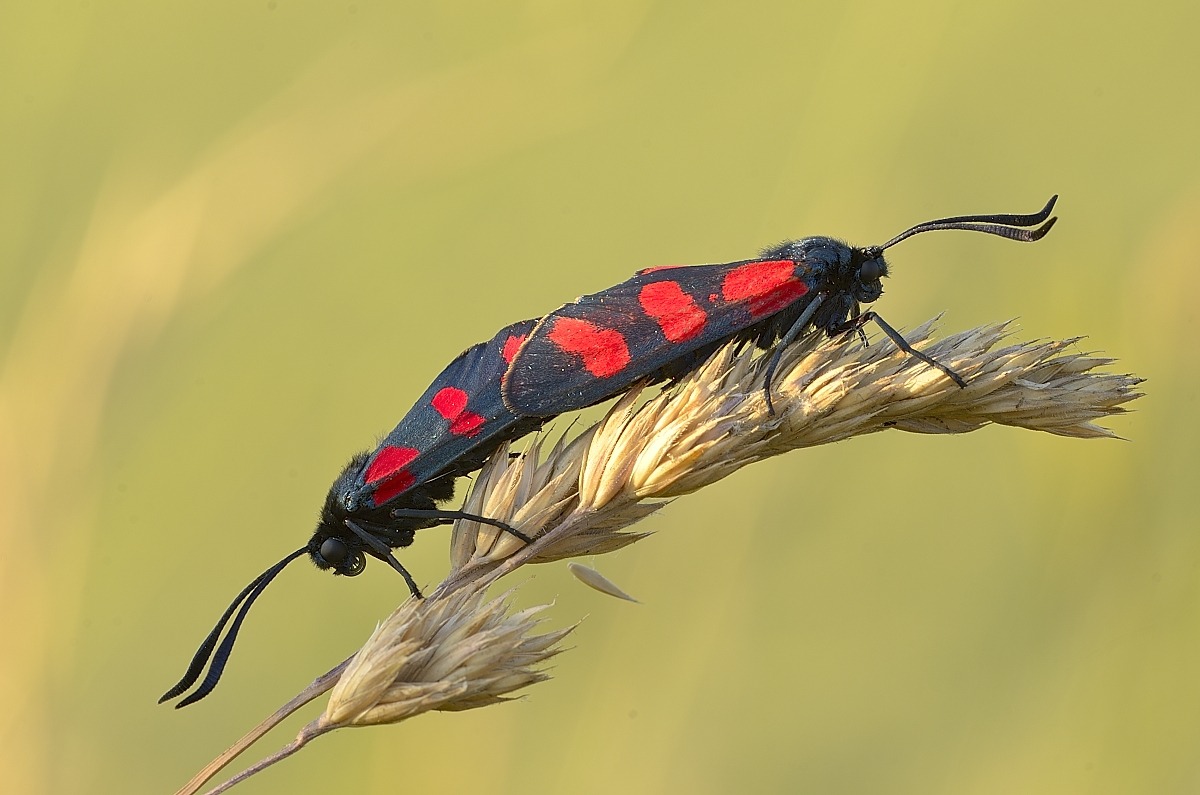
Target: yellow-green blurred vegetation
<point>237,240</point>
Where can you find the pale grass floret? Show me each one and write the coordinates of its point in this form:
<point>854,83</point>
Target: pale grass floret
<point>455,653</point>
<point>457,650</point>
<point>594,579</point>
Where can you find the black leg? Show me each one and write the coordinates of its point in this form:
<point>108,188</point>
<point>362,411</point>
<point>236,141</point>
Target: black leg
<point>797,327</point>
<point>856,324</point>
<point>385,552</point>
<point>855,311</point>
<point>445,517</point>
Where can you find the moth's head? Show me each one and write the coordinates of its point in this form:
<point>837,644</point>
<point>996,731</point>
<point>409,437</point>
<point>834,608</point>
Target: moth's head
<point>335,548</point>
<point>334,545</point>
<point>868,268</point>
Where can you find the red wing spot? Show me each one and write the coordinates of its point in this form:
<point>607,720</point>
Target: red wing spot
<point>768,286</point>
<point>673,309</point>
<point>511,346</point>
<point>389,461</point>
<point>603,350</point>
<point>466,424</point>
<point>787,294</point>
<point>756,279</point>
<point>394,486</point>
<point>451,403</point>
<point>388,466</point>
<point>644,271</point>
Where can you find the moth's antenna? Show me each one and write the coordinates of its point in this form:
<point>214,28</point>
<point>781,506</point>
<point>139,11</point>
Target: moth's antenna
<point>245,599</point>
<point>1003,225</point>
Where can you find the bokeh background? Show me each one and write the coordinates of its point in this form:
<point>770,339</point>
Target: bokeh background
<point>237,239</point>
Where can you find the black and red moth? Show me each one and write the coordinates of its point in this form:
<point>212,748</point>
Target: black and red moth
<point>657,325</point>
<point>664,321</point>
<point>382,498</point>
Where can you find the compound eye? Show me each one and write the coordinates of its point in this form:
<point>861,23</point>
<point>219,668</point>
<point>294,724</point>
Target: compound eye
<point>334,551</point>
<point>870,271</point>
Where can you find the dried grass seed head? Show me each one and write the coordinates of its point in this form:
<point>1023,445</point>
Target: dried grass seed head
<point>714,421</point>
<point>453,653</point>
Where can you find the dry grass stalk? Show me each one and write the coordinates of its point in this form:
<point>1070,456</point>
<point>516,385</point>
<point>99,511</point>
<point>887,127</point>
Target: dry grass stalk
<point>454,650</point>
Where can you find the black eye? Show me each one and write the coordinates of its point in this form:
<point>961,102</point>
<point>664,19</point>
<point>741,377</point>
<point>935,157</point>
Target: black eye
<point>334,551</point>
<point>870,271</point>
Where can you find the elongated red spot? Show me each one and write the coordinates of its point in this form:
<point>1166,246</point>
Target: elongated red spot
<point>673,309</point>
<point>394,486</point>
<point>603,350</point>
<point>511,346</point>
<point>388,466</point>
<point>654,268</point>
<point>390,460</point>
<point>450,402</point>
<point>756,279</point>
<point>768,286</point>
<point>787,294</point>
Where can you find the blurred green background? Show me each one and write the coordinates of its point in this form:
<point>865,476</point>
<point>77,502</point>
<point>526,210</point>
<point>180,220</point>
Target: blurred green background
<point>238,239</point>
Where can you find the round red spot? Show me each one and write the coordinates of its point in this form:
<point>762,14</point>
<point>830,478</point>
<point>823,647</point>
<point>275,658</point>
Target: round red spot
<point>673,309</point>
<point>768,286</point>
<point>603,350</point>
<point>450,402</point>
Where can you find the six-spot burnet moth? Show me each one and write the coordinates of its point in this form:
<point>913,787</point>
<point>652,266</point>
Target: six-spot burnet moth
<point>655,326</point>
<point>382,498</point>
<point>663,321</point>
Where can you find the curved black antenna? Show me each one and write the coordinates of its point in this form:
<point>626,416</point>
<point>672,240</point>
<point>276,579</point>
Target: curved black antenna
<point>1031,219</point>
<point>990,224</point>
<point>226,648</point>
<point>384,552</point>
<point>248,594</point>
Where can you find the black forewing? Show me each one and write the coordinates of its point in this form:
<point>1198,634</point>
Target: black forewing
<point>458,419</point>
<point>726,300</point>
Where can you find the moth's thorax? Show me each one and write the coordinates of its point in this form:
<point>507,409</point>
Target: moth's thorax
<point>824,257</point>
<point>837,269</point>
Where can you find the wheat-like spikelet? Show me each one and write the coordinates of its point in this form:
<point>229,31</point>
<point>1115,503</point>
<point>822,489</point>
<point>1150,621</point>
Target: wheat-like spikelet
<point>449,654</point>
<point>455,650</point>
<point>716,420</point>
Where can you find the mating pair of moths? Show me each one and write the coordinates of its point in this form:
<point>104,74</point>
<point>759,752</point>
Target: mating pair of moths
<point>653,327</point>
